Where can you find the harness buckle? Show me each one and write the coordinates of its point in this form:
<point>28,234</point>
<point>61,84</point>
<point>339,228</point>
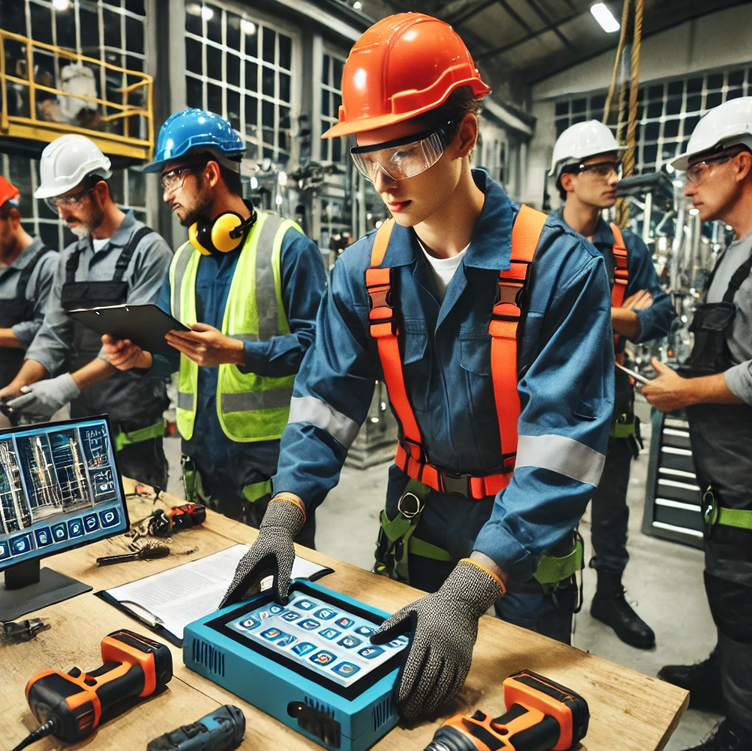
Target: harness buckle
<point>409,505</point>
<point>455,484</point>
<point>414,450</point>
<point>507,303</point>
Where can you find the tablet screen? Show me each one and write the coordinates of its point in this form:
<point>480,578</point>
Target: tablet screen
<point>321,638</point>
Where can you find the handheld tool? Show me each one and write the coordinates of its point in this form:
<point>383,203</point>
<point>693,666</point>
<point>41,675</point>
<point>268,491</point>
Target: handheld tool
<point>222,730</point>
<point>72,705</point>
<point>146,551</point>
<point>23,630</point>
<point>541,716</point>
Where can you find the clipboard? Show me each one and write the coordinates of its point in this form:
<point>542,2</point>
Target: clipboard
<point>145,325</point>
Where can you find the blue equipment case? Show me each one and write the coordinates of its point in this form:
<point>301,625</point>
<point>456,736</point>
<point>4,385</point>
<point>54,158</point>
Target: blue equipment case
<point>300,663</point>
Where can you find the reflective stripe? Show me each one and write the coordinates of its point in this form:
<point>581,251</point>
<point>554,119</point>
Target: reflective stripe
<point>560,454</point>
<point>177,272</point>
<point>247,401</point>
<point>310,410</point>
<point>185,401</point>
<point>266,293</point>
<point>245,337</point>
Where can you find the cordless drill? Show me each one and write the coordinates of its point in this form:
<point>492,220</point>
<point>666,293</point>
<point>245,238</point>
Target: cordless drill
<point>222,730</point>
<point>541,716</point>
<point>72,705</point>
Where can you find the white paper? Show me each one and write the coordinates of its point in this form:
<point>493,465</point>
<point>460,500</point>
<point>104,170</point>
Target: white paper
<point>174,598</point>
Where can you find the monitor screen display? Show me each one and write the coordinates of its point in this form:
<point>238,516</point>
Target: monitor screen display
<point>59,488</point>
<point>325,640</point>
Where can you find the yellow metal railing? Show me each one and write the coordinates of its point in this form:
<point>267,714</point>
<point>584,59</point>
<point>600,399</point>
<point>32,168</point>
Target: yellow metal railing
<point>34,127</point>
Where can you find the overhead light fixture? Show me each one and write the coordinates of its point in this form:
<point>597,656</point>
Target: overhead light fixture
<point>605,18</point>
<point>207,13</point>
<point>248,27</point>
<point>61,4</point>
<point>193,9</point>
<point>357,5</point>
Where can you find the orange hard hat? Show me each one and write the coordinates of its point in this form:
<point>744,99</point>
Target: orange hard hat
<point>8,191</point>
<point>403,66</point>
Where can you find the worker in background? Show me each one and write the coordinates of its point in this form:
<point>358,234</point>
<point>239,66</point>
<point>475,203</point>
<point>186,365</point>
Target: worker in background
<point>482,486</point>
<point>254,282</point>
<point>115,259</point>
<point>586,167</point>
<point>717,397</point>
<point>27,268</point>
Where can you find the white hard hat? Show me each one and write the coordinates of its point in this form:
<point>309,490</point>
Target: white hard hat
<point>581,141</point>
<point>66,162</point>
<point>726,125</point>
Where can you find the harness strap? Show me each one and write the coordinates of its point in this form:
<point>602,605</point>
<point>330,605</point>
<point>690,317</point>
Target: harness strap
<point>123,439</point>
<point>505,317</point>
<point>621,271</point>
<point>28,270</point>
<point>553,569</point>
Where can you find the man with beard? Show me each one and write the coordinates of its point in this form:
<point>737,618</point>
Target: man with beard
<point>115,260</point>
<point>254,281</point>
<point>27,268</point>
<point>586,167</point>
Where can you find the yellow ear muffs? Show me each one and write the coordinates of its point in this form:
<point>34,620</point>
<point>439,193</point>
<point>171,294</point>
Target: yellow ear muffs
<point>198,232</point>
<point>224,233</point>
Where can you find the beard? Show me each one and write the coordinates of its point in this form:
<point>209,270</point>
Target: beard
<point>80,231</point>
<point>200,207</point>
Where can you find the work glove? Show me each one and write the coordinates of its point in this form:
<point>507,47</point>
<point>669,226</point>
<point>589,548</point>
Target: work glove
<point>44,398</point>
<point>442,628</point>
<point>273,553</point>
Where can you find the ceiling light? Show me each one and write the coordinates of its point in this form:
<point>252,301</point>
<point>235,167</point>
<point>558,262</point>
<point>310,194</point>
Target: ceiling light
<point>207,13</point>
<point>193,9</point>
<point>605,18</point>
<point>357,5</point>
<point>248,27</point>
<point>61,4</point>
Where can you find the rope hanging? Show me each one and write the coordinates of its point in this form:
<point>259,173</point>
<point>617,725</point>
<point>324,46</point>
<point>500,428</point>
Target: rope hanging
<point>627,115</point>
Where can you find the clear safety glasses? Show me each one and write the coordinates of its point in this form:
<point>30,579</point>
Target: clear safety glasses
<point>602,170</point>
<point>700,171</point>
<point>403,157</point>
<point>173,179</point>
<point>69,200</point>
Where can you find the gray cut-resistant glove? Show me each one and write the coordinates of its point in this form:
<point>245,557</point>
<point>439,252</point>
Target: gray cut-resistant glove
<point>44,398</point>
<point>442,629</point>
<point>272,553</point>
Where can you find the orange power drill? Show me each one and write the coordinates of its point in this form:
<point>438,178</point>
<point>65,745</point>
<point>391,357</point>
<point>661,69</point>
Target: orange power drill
<point>541,716</point>
<point>72,705</point>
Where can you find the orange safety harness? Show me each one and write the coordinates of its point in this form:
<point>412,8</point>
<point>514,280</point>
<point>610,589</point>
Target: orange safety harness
<point>621,279</point>
<point>505,318</point>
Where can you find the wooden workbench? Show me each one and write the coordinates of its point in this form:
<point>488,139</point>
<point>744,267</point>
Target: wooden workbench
<point>629,711</point>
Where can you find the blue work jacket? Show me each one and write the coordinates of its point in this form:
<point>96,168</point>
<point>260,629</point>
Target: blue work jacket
<point>565,363</point>
<point>223,462</point>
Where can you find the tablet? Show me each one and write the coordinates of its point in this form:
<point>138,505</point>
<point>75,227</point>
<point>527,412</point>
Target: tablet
<point>633,374</point>
<point>145,325</point>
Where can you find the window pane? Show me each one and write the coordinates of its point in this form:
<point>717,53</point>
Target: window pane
<point>136,188</point>
<point>88,22</point>
<point>214,24</point>
<point>41,23</point>
<point>193,23</point>
<point>267,81</point>
<point>284,87</point>
<point>233,31</point>
<point>651,131</point>
<point>713,100</point>
<point>673,105</point>
<point>233,69</point>
<point>111,23</point>
<point>284,118</point>
<point>213,63</point>
<point>251,76</point>
<point>66,30</point>
<point>134,35</point>
<point>285,52</point>
<point>251,114</point>
<point>579,105</point>
<point>694,103</point>
<point>676,88</point>
<point>736,78</point>
<point>655,109</point>
<point>233,108</point>
<point>193,55</point>
<point>325,103</point>
<point>338,68</point>
<point>214,99</point>
<point>671,129</point>
<point>694,86</point>
<point>269,36</point>
<point>13,18</point>
<point>562,108</point>
<point>325,70</point>
<point>135,6</point>
<point>194,92</point>
<point>715,81</point>
<point>251,44</point>
<point>267,114</point>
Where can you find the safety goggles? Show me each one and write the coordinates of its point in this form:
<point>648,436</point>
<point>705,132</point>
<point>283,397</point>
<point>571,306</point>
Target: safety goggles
<point>69,199</point>
<point>602,170</point>
<point>173,179</point>
<point>700,171</point>
<point>403,157</point>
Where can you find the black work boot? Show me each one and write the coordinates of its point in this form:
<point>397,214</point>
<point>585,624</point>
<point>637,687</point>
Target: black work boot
<point>610,607</point>
<point>702,680</point>
<point>728,736</point>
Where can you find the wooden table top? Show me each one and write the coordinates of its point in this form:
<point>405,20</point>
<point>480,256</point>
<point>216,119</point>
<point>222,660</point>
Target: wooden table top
<point>628,711</point>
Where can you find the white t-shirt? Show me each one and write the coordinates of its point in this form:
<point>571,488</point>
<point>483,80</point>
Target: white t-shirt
<point>99,244</point>
<point>443,269</point>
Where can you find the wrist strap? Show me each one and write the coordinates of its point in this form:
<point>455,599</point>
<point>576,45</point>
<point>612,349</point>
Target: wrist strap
<point>488,571</point>
<point>290,499</point>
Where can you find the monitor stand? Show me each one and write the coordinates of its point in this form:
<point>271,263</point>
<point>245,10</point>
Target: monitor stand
<point>29,588</point>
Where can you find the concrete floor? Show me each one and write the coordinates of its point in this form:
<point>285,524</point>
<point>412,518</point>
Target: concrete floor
<point>663,579</point>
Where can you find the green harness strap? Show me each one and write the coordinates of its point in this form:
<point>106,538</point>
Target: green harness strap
<point>552,570</point>
<point>621,429</point>
<point>123,439</point>
<point>729,517</point>
<point>257,490</point>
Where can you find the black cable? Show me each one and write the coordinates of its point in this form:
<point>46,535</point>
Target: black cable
<point>42,731</point>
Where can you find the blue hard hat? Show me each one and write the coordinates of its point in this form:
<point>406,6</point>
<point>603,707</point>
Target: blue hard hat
<point>196,130</point>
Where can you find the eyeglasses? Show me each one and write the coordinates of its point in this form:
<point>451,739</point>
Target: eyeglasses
<point>700,171</point>
<point>69,199</point>
<point>173,179</point>
<point>403,157</point>
<point>603,170</point>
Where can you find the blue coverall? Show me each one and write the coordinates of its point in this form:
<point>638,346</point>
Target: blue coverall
<point>226,466</point>
<point>565,362</point>
<point>610,512</point>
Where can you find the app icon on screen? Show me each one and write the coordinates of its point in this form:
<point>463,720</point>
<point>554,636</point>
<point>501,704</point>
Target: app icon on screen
<point>250,623</point>
<point>109,518</point>
<point>304,604</point>
<point>75,527</point>
<point>272,633</point>
<point>289,616</point>
<point>325,614</point>
<point>344,622</point>
<point>346,669</point>
<point>365,630</point>
<point>286,640</point>
<point>349,642</point>
<point>275,609</point>
<point>91,523</point>
<point>303,648</point>
<point>43,536</point>
<point>322,658</point>
<point>59,532</point>
<point>400,641</point>
<point>330,633</point>
<point>21,544</point>
<point>4,551</point>
<point>309,624</point>
<point>370,653</point>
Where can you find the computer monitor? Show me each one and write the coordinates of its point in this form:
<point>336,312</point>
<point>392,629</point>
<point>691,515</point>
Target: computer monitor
<point>59,489</point>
